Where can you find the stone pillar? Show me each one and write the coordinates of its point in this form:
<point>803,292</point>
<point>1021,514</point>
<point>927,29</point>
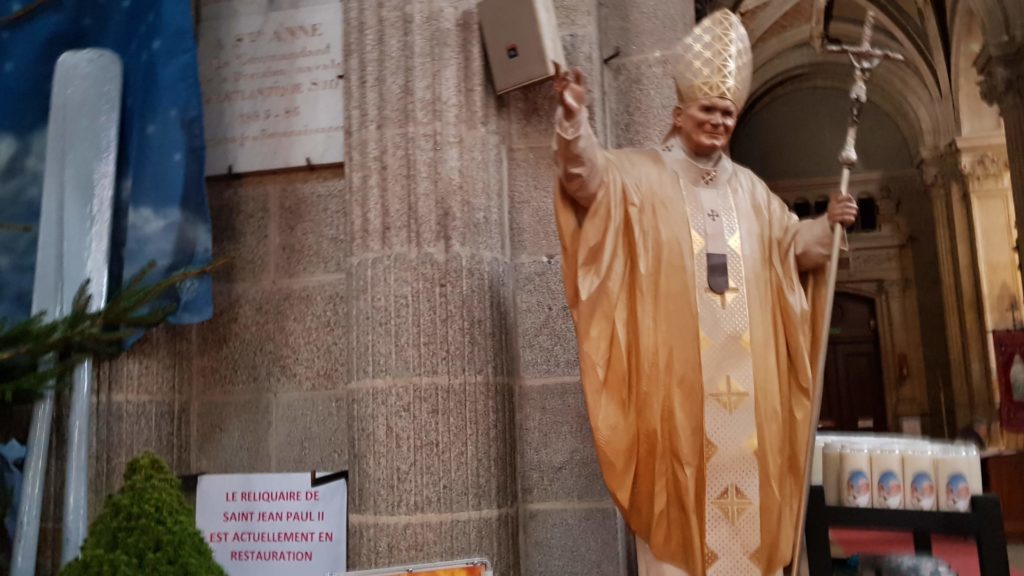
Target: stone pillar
<point>958,269</point>
<point>973,336</point>
<point>568,522</point>
<point>431,452</point>
<point>960,410</point>
<point>641,91</point>
<point>987,176</point>
<point>1002,84</point>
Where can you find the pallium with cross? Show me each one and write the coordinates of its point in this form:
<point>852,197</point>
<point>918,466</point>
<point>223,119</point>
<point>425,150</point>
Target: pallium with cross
<point>725,297</point>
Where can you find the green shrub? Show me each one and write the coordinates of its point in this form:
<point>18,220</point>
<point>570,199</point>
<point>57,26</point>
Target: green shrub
<point>147,528</point>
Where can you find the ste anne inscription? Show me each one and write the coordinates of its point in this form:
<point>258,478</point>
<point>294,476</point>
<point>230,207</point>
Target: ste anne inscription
<point>271,74</point>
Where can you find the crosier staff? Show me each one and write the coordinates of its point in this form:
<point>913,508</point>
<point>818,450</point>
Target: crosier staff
<point>865,59</point>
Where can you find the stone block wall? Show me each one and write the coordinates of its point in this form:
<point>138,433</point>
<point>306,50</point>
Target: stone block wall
<point>268,372</point>
<point>568,523</point>
<point>403,317</point>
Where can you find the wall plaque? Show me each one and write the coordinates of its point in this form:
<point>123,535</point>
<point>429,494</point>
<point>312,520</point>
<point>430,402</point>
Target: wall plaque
<point>271,75</point>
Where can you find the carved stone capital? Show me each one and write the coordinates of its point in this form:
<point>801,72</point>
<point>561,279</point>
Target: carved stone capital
<point>988,166</point>
<point>1002,78</point>
<point>942,170</point>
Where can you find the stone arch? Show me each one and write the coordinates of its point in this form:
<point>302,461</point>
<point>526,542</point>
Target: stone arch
<point>896,125</point>
<point>907,108</point>
<point>913,93</point>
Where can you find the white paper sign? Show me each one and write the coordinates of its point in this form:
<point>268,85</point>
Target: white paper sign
<point>272,87</point>
<point>272,524</point>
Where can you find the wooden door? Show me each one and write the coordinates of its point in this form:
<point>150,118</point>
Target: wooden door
<point>854,397</point>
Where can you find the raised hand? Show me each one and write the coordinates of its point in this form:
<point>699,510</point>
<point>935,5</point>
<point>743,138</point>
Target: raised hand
<point>571,91</point>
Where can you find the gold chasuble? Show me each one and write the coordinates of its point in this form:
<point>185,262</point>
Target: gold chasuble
<point>699,402</point>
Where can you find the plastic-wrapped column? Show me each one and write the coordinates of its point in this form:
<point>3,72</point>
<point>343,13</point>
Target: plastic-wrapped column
<point>74,246</point>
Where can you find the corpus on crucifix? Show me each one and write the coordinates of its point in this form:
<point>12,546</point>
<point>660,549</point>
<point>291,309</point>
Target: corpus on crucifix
<point>697,297</point>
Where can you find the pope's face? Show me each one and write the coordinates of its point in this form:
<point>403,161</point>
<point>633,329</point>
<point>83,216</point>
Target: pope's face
<point>706,125</point>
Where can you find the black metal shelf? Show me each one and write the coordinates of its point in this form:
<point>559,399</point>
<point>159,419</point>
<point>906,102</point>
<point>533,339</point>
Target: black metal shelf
<point>984,523</point>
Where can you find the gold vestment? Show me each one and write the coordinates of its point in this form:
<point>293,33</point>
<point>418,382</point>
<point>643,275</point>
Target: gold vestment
<point>678,380</point>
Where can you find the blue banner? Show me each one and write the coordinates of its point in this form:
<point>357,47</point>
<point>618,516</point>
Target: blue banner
<point>161,211</point>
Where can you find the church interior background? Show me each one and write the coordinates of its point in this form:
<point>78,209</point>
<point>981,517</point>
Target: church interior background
<point>934,253</point>
<point>402,316</point>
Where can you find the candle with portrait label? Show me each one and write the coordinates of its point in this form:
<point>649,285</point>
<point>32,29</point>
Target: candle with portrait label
<point>856,476</point>
<point>954,474</point>
<point>919,478</point>
<point>887,477</point>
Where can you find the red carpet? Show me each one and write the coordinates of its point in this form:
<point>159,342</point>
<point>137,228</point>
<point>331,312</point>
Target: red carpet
<point>959,553</point>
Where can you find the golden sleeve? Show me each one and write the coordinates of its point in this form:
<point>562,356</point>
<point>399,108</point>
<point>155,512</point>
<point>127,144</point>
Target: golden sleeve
<point>812,238</point>
<point>799,250</point>
<point>579,158</point>
<point>597,257</point>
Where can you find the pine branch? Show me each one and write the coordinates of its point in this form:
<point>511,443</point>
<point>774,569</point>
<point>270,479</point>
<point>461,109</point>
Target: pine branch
<point>20,13</point>
<point>5,227</point>
<point>80,334</point>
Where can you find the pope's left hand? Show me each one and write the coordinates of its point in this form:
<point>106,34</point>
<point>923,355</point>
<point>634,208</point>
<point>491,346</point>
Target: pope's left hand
<point>842,210</point>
